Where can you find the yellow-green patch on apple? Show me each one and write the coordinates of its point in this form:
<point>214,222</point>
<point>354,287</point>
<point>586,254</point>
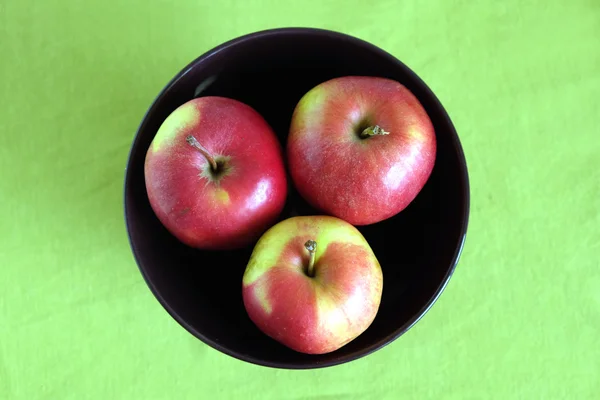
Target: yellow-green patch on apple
<point>183,117</point>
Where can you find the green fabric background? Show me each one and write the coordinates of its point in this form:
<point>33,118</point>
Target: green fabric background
<point>520,319</point>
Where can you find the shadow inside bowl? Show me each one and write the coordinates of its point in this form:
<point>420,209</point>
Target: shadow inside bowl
<point>270,71</point>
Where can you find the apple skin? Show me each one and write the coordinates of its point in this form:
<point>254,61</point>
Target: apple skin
<point>224,210</point>
<point>318,314</point>
<point>362,181</point>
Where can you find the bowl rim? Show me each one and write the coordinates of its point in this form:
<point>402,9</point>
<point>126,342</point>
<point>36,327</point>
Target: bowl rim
<point>464,177</point>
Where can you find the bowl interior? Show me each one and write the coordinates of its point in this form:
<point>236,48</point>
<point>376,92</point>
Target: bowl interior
<point>270,71</point>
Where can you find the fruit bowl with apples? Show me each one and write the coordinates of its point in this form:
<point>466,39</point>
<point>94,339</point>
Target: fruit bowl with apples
<point>296,198</point>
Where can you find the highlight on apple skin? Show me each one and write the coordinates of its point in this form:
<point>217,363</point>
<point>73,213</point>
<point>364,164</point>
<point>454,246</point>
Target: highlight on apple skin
<point>312,283</point>
<point>360,148</point>
<point>215,174</point>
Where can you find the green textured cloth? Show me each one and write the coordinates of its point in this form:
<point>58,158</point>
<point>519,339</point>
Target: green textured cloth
<point>520,318</point>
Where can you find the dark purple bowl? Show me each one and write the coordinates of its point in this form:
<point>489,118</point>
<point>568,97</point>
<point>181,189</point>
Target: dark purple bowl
<point>418,249</point>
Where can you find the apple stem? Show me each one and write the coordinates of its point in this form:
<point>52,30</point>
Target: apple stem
<point>195,143</point>
<point>372,131</point>
<point>311,246</point>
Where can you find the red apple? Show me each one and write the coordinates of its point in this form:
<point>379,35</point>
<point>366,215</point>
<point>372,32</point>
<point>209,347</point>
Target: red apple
<point>215,174</point>
<point>312,283</point>
<point>360,148</point>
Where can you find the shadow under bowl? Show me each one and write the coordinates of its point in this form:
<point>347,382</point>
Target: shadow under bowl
<point>270,70</point>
